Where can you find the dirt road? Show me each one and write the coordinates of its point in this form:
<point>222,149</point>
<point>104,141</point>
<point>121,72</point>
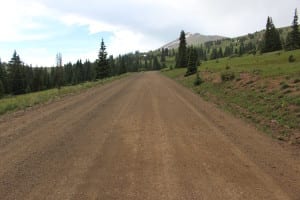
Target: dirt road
<point>142,137</point>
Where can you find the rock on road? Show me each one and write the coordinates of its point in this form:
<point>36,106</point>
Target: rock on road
<point>141,137</point>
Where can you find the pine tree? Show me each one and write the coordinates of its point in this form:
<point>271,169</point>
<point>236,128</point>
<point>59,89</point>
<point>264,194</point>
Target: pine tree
<point>122,68</point>
<point>220,53</point>
<point>163,56</point>
<point>59,71</point>
<point>214,54</point>
<point>272,40</point>
<point>16,75</point>
<point>156,64</point>
<point>103,70</point>
<point>2,91</point>
<point>2,73</point>
<point>241,49</point>
<point>181,59</point>
<point>2,77</point>
<point>293,37</point>
<point>192,61</point>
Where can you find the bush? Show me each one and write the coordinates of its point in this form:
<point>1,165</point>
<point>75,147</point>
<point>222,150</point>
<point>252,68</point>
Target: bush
<point>292,58</point>
<point>284,86</point>
<point>198,80</point>
<point>227,76</point>
<point>297,80</point>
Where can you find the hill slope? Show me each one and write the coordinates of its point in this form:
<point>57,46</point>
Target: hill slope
<point>263,89</point>
<point>193,39</point>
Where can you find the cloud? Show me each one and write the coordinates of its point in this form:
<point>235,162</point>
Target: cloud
<point>18,17</point>
<point>162,18</point>
<point>122,39</point>
<point>129,25</point>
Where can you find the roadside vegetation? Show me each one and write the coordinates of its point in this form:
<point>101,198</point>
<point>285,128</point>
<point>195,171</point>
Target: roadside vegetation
<point>263,89</point>
<point>255,77</point>
<point>19,102</point>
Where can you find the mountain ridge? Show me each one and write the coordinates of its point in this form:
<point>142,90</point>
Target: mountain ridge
<point>193,39</point>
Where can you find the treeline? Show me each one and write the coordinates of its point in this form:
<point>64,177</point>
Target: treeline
<point>19,78</point>
<point>272,39</point>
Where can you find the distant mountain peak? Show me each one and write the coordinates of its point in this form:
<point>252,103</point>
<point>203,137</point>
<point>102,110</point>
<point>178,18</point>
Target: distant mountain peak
<point>193,39</point>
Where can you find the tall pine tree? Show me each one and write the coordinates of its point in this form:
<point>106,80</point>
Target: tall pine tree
<point>16,75</point>
<point>181,59</point>
<point>271,40</point>
<point>2,71</point>
<point>103,69</point>
<point>192,61</point>
<point>59,71</point>
<point>293,37</point>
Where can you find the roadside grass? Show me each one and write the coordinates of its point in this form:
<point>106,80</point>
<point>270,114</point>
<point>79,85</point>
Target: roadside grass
<point>274,109</point>
<point>266,65</point>
<point>19,102</point>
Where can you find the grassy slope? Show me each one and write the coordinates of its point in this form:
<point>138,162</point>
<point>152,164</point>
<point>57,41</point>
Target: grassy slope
<point>19,102</point>
<point>266,90</point>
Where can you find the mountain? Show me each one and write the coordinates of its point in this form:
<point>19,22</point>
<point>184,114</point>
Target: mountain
<point>193,39</point>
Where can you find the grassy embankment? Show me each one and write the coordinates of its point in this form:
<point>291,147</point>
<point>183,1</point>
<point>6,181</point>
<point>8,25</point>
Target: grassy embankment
<point>265,90</point>
<point>19,102</point>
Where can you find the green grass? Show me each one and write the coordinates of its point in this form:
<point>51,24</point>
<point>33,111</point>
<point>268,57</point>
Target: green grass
<point>266,65</point>
<point>254,104</point>
<point>19,102</point>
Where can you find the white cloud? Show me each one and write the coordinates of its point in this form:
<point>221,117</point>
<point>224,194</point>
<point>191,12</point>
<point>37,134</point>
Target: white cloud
<point>94,25</point>
<point>124,41</point>
<point>17,17</point>
<point>137,24</point>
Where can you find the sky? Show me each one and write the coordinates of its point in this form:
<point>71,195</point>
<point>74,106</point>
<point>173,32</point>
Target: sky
<point>39,29</point>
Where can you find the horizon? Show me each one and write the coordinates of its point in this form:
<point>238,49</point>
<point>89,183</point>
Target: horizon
<point>39,29</point>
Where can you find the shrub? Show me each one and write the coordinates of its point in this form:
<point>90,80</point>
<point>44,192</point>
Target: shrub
<point>227,76</point>
<point>297,80</point>
<point>284,85</point>
<point>292,58</point>
<point>198,80</point>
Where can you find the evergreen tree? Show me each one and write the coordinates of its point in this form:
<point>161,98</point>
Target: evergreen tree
<point>214,54</point>
<point>228,51</point>
<point>272,40</point>
<point>59,71</point>
<point>220,53</point>
<point>192,61</point>
<point>2,91</point>
<point>122,68</point>
<point>181,59</point>
<point>16,75</point>
<point>29,76</point>
<point>68,71</point>
<point>103,70</point>
<point>3,76</point>
<point>241,49</point>
<point>156,64</point>
<point>113,68</point>
<point>163,56</point>
<point>293,37</point>
<point>90,71</point>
